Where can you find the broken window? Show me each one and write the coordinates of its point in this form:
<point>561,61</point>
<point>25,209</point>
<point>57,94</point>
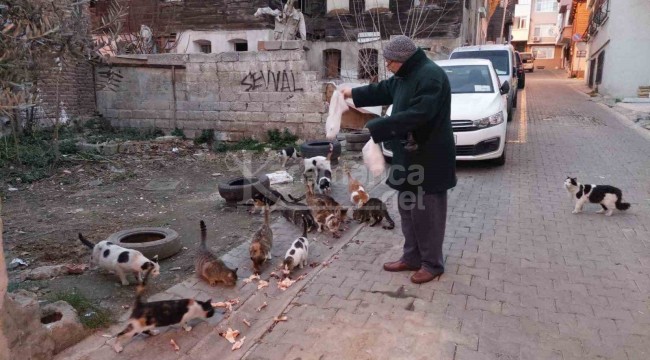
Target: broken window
<point>332,59</point>
<point>368,64</point>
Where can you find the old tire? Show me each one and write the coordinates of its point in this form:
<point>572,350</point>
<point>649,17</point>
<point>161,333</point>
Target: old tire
<point>241,188</point>
<point>357,137</point>
<point>167,245</point>
<point>320,148</point>
<point>354,146</point>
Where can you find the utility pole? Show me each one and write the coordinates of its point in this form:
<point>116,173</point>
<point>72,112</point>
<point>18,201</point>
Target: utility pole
<point>503,20</point>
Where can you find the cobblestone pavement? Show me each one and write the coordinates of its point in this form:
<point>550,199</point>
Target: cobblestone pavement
<point>525,278</point>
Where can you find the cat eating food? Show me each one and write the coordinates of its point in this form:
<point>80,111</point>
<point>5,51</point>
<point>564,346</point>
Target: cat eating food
<point>327,213</point>
<point>376,210</point>
<point>269,198</point>
<point>147,316</point>
<point>210,268</point>
<point>609,197</point>
<point>260,248</point>
<point>296,212</point>
<point>121,260</point>
<point>298,252</point>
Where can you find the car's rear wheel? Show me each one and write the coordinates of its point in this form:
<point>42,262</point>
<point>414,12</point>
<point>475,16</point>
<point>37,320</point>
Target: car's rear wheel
<point>522,82</point>
<point>514,101</point>
<point>509,112</point>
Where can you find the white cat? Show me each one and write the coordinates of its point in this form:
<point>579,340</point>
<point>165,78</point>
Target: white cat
<point>298,252</point>
<point>609,197</point>
<point>121,260</point>
<point>316,163</point>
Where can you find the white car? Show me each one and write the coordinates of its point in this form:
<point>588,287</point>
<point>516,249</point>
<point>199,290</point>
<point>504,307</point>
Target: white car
<point>478,110</point>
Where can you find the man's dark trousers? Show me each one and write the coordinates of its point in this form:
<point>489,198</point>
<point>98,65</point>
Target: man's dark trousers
<point>423,226</point>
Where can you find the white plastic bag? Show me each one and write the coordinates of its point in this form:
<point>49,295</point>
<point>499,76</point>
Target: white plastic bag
<point>337,107</point>
<point>374,158</point>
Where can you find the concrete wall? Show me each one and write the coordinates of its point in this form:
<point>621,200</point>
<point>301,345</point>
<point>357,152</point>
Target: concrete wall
<point>221,40</point>
<point>440,49</point>
<point>624,37</point>
<point>238,94</point>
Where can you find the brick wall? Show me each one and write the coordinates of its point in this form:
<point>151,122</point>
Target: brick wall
<point>75,83</point>
<point>236,94</point>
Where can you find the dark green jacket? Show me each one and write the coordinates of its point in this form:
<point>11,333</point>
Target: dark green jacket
<point>421,99</point>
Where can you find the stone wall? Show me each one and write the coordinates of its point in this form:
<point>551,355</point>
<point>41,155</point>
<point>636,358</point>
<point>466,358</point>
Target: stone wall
<point>238,94</point>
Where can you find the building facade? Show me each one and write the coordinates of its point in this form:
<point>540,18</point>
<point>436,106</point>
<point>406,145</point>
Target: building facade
<point>617,37</point>
<point>344,37</point>
<point>573,19</point>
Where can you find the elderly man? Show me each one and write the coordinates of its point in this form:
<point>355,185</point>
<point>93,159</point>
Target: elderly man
<point>424,154</point>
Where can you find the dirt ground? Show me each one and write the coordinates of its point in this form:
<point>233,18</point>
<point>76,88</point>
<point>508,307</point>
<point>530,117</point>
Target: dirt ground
<point>98,198</point>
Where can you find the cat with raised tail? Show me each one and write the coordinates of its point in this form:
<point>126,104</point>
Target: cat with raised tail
<point>376,210</point>
<point>260,248</point>
<point>358,195</point>
<point>120,260</point>
<point>209,267</point>
<point>147,316</point>
<point>609,197</point>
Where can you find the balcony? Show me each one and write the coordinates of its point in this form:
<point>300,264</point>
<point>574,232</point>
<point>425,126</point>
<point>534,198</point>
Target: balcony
<point>520,34</point>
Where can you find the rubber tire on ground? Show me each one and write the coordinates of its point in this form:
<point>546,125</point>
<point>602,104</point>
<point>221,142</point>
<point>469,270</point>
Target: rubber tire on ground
<point>514,101</point>
<point>235,193</point>
<point>355,146</point>
<point>164,248</point>
<point>357,137</point>
<point>501,160</point>
<point>522,83</point>
<point>320,148</point>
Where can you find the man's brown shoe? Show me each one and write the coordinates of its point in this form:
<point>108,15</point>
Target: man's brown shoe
<point>398,266</point>
<point>423,276</point>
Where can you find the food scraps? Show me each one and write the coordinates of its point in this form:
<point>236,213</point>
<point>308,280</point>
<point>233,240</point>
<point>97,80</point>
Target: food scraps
<point>237,345</point>
<point>230,335</point>
<point>262,306</point>
<point>174,345</point>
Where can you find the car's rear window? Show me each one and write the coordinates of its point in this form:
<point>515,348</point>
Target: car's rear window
<point>469,79</point>
<point>499,58</point>
<point>525,56</point>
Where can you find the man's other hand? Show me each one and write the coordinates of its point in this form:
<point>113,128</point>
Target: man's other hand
<point>347,92</point>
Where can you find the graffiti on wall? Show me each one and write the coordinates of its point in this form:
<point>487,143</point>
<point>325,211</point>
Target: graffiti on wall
<point>282,81</point>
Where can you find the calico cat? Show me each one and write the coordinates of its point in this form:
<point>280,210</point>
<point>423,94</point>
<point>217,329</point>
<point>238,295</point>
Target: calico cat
<point>326,211</point>
<point>121,260</point>
<point>609,197</point>
<point>288,153</point>
<point>296,212</point>
<point>260,248</point>
<point>298,252</point>
<point>210,268</point>
<point>271,198</point>
<point>376,210</point>
<point>146,316</point>
<point>358,194</point>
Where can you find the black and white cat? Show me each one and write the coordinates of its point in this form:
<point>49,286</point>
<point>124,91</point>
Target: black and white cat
<point>298,252</point>
<point>288,153</point>
<point>609,197</point>
<point>314,165</point>
<point>324,183</point>
<point>121,260</point>
<point>147,316</point>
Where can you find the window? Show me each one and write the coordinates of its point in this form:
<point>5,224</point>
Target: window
<point>469,79</point>
<point>543,52</point>
<point>499,58</point>
<point>522,23</point>
<point>546,6</point>
<point>369,64</point>
<point>332,59</point>
<point>206,48</point>
<point>338,6</point>
<point>545,30</point>
<point>239,44</point>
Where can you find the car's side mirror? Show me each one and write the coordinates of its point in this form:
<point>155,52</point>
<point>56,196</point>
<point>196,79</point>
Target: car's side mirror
<point>505,88</point>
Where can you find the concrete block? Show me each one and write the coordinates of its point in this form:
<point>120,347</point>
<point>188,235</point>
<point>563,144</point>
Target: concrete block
<point>258,117</point>
<point>270,45</point>
<point>238,106</point>
<point>291,45</point>
<point>272,107</point>
<point>229,57</point>
<point>227,115</point>
<point>295,117</point>
<point>263,56</point>
<point>211,115</point>
<point>259,97</point>
<point>225,67</point>
<point>248,56</point>
<point>254,106</point>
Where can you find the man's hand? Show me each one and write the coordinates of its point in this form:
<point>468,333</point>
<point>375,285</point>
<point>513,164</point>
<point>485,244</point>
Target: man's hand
<point>347,92</point>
